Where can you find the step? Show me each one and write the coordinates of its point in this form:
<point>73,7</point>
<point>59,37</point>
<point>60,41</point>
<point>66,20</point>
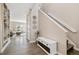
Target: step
<point>69,46</point>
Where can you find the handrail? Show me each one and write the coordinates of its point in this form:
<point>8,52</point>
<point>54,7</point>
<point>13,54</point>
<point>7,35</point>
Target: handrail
<point>65,30</point>
<point>63,24</point>
<point>56,20</point>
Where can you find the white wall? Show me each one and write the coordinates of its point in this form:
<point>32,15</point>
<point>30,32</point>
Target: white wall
<point>50,30</point>
<point>69,14</point>
<point>1,37</point>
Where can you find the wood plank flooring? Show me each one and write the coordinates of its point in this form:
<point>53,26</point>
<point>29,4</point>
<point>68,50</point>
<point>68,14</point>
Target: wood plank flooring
<point>20,46</point>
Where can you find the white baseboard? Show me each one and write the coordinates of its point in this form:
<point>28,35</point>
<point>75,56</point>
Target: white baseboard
<point>32,41</point>
<point>2,50</point>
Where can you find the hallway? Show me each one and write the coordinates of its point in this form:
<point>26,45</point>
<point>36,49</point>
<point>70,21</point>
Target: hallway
<point>20,46</point>
<point>22,25</point>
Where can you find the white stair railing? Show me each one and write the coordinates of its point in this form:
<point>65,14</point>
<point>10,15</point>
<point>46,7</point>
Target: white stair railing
<point>59,22</point>
<point>65,30</point>
<point>63,24</point>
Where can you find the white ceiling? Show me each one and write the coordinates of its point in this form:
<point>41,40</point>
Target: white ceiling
<point>18,11</point>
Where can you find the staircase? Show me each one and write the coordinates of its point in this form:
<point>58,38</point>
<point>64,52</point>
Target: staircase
<point>69,46</point>
<point>63,26</point>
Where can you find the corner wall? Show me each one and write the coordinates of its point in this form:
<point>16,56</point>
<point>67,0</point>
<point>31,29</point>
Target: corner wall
<point>51,31</point>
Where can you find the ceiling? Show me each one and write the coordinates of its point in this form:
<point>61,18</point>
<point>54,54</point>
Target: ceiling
<point>18,11</point>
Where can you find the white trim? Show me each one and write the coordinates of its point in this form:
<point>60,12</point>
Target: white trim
<point>64,26</point>
<point>31,41</point>
<point>20,21</point>
<point>2,50</point>
<point>76,48</point>
<point>43,49</point>
<point>70,41</point>
<point>74,45</point>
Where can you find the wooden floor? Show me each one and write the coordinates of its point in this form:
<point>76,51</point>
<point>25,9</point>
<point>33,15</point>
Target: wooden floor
<point>20,46</point>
